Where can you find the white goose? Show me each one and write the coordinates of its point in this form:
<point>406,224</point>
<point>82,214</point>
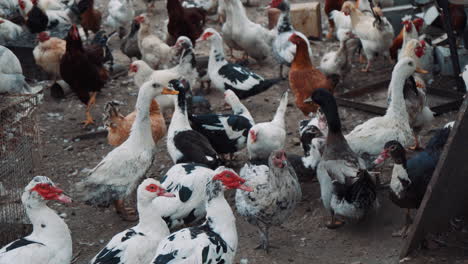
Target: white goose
<point>215,241</point>
<point>371,136</point>
<point>117,175</point>
<point>138,244</point>
<point>50,242</point>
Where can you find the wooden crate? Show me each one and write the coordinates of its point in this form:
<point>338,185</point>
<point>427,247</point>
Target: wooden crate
<point>306,18</point>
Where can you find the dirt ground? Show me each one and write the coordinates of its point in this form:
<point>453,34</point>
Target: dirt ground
<point>303,239</point>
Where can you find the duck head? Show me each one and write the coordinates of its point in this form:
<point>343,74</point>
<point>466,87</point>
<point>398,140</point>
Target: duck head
<point>150,189</point>
<point>392,149</point>
<point>42,189</point>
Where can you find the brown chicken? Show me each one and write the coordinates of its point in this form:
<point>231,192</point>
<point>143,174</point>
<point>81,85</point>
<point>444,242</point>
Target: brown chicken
<point>398,40</point>
<point>187,22</point>
<point>119,126</point>
<point>304,78</point>
<point>331,5</point>
<point>91,19</point>
<point>83,70</point>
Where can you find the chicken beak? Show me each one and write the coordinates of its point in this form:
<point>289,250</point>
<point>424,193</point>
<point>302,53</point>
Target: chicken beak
<point>169,91</point>
<point>419,70</point>
<point>245,188</point>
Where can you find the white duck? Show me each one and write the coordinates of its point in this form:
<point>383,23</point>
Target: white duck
<point>50,242</point>
<point>183,143</point>
<point>138,244</point>
<point>346,187</point>
<point>267,137</point>
<point>213,242</point>
<point>12,79</point>
<point>142,72</point>
<point>371,136</point>
<point>376,33</point>
<point>251,37</point>
<point>121,13</point>
<point>283,49</point>
<point>187,181</point>
<point>117,175</point>
<point>229,76</point>
<point>276,194</point>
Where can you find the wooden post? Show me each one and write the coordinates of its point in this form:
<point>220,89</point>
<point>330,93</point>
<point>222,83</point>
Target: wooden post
<point>447,193</point>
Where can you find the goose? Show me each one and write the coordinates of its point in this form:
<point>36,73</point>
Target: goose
<point>183,143</point>
<point>137,244</point>
<point>215,241</point>
<point>346,188</point>
<point>117,175</point>
<point>50,242</point>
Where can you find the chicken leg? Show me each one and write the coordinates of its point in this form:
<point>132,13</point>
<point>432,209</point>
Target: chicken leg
<point>417,145</point>
<point>405,230</point>
<point>264,238</point>
<point>89,119</point>
<point>126,213</point>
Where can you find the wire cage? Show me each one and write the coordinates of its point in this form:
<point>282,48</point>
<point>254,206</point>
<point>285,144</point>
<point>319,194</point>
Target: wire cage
<point>19,151</point>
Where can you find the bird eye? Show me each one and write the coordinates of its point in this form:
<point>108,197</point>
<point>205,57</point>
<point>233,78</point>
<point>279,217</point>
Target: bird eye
<point>155,85</point>
<point>392,148</point>
<point>410,63</point>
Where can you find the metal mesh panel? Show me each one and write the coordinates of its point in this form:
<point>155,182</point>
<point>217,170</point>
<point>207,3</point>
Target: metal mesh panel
<point>19,151</point>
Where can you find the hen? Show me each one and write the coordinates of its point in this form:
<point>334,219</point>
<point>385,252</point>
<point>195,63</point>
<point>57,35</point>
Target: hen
<point>11,74</point>
<point>9,30</point>
<point>331,5</point>
<point>118,126</point>
<point>121,13</point>
<point>91,19</point>
<point>406,31</point>
<point>304,78</point>
<point>187,22</point>
<point>83,70</point>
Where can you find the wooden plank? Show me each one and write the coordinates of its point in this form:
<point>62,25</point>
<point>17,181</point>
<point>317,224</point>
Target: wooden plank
<point>377,110</point>
<point>447,107</point>
<point>366,90</point>
<point>446,195</point>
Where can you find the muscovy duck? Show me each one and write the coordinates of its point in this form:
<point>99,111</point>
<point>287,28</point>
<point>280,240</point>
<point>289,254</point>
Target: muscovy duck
<point>411,177</point>
<point>227,133</point>
<point>346,187</point>
<point>117,175</point>
<point>268,136</point>
<point>138,244</point>
<point>229,76</point>
<point>276,194</point>
<point>215,241</point>
<point>50,242</point>
<point>183,143</point>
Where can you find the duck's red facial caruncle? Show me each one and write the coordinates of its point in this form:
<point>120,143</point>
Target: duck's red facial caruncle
<point>49,192</point>
<point>231,180</point>
<point>133,68</point>
<point>253,135</point>
<point>158,190</point>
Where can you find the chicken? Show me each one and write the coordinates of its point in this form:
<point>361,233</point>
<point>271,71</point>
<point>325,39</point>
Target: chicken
<point>12,79</point>
<point>153,50</point>
<point>121,14</point>
<point>276,194</point>
<point>331,5</point>
<point>118,126</point>
<point>407,30</point>
<point>91,19</point>
<point>187,22</point>
<point>304,78</point>
<point>337,62</point>
<point>48,54</point>
<point>129,44</point>
<point>376,33</point>
<point>83,70</point>
<point>241,33</point>
<point>210,6</point>
<point>9,30</point>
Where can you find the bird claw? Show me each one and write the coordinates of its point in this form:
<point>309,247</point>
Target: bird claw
<point>128,214</point>
<point>88,122</point>
<point>336,224</point>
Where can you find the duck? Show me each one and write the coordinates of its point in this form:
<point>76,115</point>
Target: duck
<point>376,33</point>
<point>227,133</point>
<point>138,243</point>
<point>347,189</point>
<point>370,136</point>
<point>183,143</point>
<point>309,129</point>
<point>230,76</point>
<point>414,92</point>
<point>117,175</point>
<point>267,137</point>
<point>142,72</point>
<point>283,49</point>
<point>254,39</point>
<point>50,241</point>
<point>187,181</point>
<point>118,126</point>
<point>276,193</point>
<point>411,177</point>
<point>11,74</point>
<point>215,241</point>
